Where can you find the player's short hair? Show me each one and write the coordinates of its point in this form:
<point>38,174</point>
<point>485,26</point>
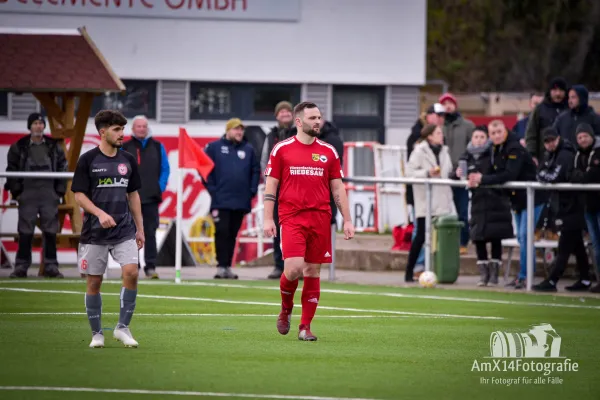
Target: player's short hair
<point>303,106</point>
<point>108,118</point>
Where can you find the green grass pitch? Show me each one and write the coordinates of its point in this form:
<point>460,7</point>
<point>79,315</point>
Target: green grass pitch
<point>218,340</point>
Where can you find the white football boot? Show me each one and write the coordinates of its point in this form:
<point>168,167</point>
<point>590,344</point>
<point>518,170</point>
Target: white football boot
<point>124,336</point>
<point>97,341</point>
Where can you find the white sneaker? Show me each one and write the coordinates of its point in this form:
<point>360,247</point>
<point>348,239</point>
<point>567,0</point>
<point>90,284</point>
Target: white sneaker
<point>97,341</point>
<point>124,336</point>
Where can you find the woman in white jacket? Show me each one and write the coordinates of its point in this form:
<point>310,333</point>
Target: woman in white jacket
<point>429,159</point>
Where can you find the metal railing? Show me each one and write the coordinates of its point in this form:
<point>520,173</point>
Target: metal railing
<point>530,188</point>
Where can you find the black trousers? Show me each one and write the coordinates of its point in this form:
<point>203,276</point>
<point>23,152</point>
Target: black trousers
<point>151,221</point>
<point>571,242</point>
<point>482,253</point>
<point>415,249</point>
<point>227,226</point>
<point>277,255</point>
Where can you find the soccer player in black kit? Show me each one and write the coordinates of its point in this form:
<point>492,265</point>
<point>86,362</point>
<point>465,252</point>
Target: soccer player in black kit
<point>105,185</point>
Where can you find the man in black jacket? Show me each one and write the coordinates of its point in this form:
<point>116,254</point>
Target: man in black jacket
<point>36,153</point>
<point>555,102</point>
<point>511,162</point>
<point>558,168</point>
<point>587,170</point>
<point>154,172</point>
<point>579,112</point>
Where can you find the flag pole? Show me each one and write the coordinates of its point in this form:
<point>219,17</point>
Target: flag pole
<point>178,239</point>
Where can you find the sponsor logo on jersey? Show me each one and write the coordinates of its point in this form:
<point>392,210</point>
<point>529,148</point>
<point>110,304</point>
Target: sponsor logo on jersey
<point>122,168</point>
<point>315,157</point>
<point>323,158</point>
<point>311,171</point>
<point>113,182</point>
<point>99,170</point>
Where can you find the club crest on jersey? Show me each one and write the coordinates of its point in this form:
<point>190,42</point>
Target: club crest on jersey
<point>122,168</point>
<point>315,157</point>
<point>241,154</point>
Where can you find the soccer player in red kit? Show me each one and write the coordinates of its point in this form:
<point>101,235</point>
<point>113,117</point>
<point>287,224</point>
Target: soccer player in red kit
<point>304,169</point>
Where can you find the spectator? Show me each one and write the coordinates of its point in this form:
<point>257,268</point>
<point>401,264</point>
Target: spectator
<point>429,159</point>
<point>587,170</point>
<point>457,133</point>
<point>579,112</point>
<point>232,184</point>
<point>512,162</point>
<point>558,168</point>
<point>521,125</point>
<point>36,153</point>
<point>433,115</point>
<point>282,131</point>
<point>555,102</point>
<point>154,173</point>
<point>491,220</point>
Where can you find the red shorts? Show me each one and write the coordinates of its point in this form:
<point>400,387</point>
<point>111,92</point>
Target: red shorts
<point>307,235</point>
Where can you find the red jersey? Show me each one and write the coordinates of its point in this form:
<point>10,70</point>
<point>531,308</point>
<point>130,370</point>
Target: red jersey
<point>304,172</point>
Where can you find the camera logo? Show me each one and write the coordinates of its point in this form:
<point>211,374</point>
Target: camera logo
<point>541,341</point>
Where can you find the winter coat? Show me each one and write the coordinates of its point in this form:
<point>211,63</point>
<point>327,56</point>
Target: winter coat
<point>568,206</point>
<point>233,182</point>
<point>457,135</point>
<point>511,162</point>
<point>421,160</point>
<point>543,116</point>
<point>566,123</point>
<point>587,170</point>
<point>17,160</point>
<point>413,138</point>
<point>490,208</point>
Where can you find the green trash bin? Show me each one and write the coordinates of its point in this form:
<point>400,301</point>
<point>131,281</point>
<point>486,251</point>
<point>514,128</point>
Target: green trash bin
<point>447,248</point>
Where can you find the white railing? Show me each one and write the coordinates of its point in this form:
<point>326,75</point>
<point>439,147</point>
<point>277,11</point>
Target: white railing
<point>530,188</point>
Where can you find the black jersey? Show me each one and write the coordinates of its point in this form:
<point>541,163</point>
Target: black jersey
<point>106,181</point>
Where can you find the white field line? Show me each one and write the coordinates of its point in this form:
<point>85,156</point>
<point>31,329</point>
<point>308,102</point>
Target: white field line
<point>172,393</point>
<point>258,303</point>
<point>201,315</point>
<point>336,291</point>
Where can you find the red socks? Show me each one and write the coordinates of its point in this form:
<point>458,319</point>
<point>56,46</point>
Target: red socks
<point>311,291</point>
<point>288,289</point>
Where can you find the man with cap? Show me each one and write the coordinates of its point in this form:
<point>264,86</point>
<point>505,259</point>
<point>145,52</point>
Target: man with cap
<point>557,167</point>
<point>281,131</point>
<point>587,170</point>
<point>434,114</point>
<point>154,172</point>
<point>457,134</point>
<point>37,197</point>
<point>543,115</point>
<point>232,184</point>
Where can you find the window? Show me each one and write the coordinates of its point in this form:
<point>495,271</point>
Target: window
<point>245,101</point>
<point>358,114</point>
<point>139,99</point>
<point>3,104</point>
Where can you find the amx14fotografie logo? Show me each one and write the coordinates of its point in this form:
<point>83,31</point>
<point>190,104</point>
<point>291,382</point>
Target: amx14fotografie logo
<point>535,353</point>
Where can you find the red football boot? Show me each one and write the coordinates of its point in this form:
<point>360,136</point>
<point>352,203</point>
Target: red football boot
<point>305,334</point>
<point>284,320</point>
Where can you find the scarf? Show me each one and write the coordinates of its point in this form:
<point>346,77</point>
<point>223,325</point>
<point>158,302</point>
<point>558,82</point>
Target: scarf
<point>477,151</point>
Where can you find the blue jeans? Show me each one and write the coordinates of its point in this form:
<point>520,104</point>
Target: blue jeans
<point>521,222</point>
<point>593,224</point>
<point>421,258</point>
<point>461,202</point>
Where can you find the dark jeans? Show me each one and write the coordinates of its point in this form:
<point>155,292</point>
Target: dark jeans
<point>277,255</point>
<point>571,242</point>
<point>227,226</point>
<point>415,249</point>
<point>461,202</point>
<point>151,218</point>
<point>482,253</point>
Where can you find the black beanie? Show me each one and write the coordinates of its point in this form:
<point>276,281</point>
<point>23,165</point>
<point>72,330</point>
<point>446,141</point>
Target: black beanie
<point>35,117</point>
<point>585,127</point>
<point>559,83</point>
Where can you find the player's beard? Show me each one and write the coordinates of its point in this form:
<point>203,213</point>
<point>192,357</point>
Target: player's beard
<point>117,144</point>
<point>311,131</point>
